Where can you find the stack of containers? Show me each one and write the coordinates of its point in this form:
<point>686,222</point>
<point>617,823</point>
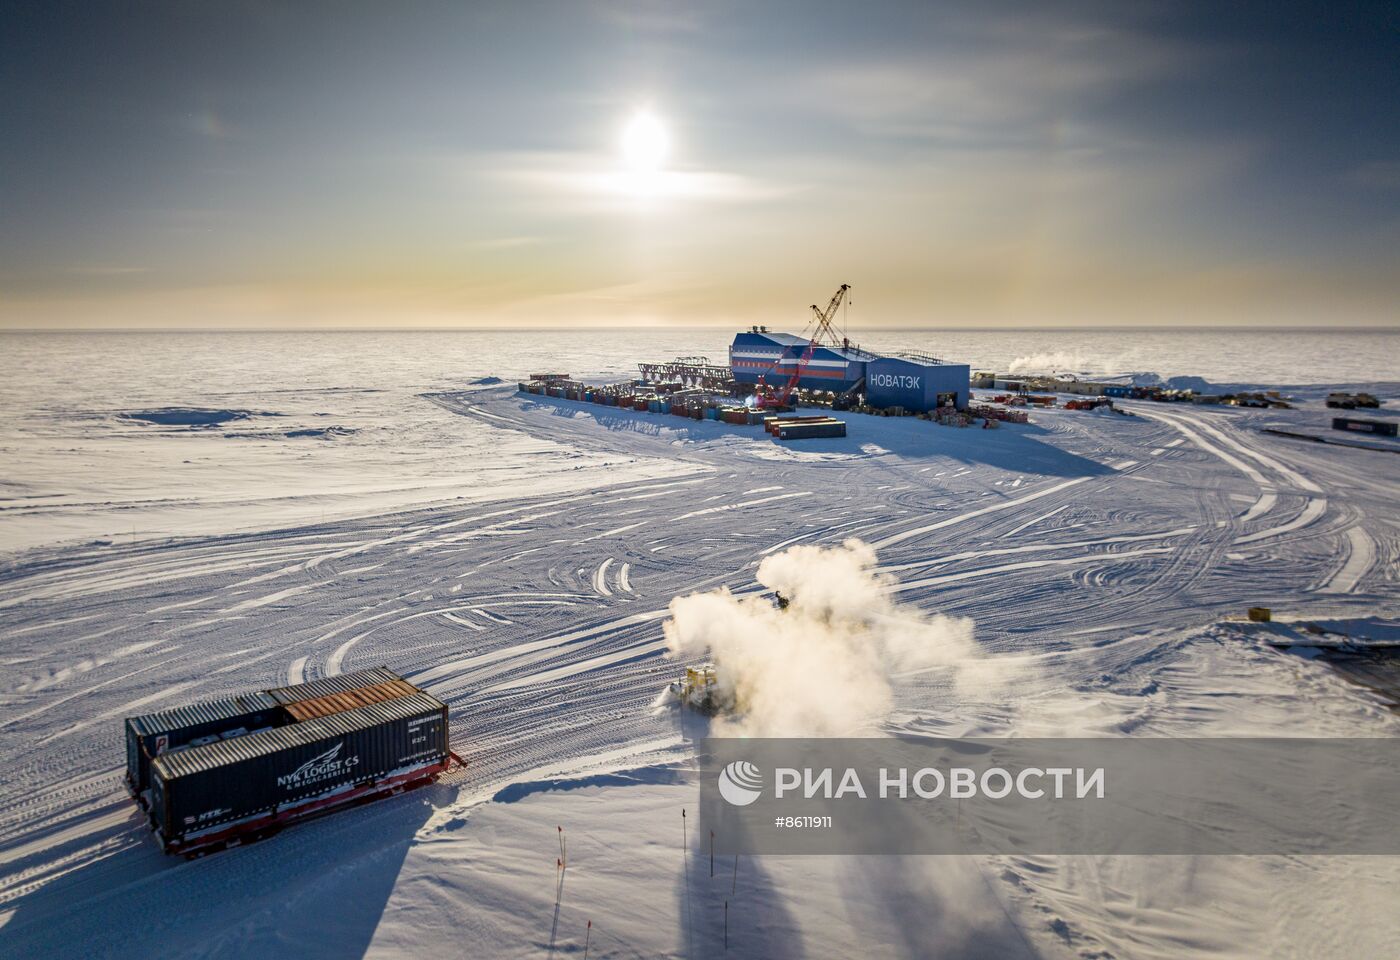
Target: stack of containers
<point>810,428</point>
<point>772,423</point>
<point>211,773</point>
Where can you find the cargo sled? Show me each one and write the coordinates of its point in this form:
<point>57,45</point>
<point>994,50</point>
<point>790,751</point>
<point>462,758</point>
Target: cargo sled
<point>224,772</point>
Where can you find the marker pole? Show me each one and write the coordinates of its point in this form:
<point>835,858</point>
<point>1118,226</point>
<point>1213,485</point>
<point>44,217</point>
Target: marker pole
<point>685,866</point>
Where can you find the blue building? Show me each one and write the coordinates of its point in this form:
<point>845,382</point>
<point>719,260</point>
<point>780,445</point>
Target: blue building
<point>920,385</point>
<point>759,352</point>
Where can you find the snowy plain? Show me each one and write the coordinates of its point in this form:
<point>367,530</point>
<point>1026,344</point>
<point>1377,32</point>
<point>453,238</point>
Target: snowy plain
<point>1101,557</point>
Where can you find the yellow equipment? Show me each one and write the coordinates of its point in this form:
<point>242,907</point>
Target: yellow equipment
<point>697,688</point>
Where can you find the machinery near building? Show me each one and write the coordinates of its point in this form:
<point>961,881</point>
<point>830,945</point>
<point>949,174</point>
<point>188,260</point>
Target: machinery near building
<point>764,394</point>
<point>217,773</point>
<point>777,365</point>
<point>698,690</point>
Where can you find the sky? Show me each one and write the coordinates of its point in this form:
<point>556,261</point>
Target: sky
<point>961,164</point>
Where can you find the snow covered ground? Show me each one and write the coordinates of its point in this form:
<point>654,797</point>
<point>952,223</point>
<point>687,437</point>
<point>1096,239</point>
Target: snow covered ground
<point>1100,557</point>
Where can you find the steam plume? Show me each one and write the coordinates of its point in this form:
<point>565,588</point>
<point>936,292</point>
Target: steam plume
<point>1059,362</point>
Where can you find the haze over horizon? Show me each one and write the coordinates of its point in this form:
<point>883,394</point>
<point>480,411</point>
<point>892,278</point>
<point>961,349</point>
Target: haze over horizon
<point>249,165</point>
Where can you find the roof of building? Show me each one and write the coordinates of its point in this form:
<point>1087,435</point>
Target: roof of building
<point>918,360</point>
<point>789,340</point>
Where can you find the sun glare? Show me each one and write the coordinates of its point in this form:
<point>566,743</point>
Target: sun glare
<point>644,145</point>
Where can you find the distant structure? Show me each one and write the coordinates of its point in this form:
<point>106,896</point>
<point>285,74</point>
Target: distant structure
<point>916,382</point>
<point>833,368</point>
<point>696,372</point>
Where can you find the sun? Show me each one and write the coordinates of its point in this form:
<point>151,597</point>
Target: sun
<point>645,144</point>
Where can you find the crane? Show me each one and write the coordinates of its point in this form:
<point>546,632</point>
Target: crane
<point>825,317</point>
<point>822,326</point>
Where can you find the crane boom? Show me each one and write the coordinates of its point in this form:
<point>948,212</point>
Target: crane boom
<point>823,318</point>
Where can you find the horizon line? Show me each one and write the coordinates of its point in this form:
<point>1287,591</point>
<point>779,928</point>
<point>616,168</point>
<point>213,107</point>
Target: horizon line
<point>1054,328</point>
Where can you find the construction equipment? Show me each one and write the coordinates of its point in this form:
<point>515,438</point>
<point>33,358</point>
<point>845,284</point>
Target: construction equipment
<point>697,689</point>
<point>766,397</point>
<point>825,317</point>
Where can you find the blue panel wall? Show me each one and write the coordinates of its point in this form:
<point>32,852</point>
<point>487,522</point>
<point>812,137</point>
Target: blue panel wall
<point>891,382</point>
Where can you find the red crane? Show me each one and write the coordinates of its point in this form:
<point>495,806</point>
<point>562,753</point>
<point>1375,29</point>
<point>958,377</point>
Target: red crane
<point>764,396</point>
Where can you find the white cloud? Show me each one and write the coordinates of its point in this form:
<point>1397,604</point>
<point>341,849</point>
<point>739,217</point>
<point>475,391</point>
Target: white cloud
<point>599,182</point>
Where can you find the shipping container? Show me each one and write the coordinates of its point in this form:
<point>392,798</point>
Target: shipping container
<point>208,795</point>
<point>349,700</point>
<point>156,733</point>
<point>771,423</point>
<point>340,683</point>
<point>812,430</point>
<point>150,735</point>
<point>1380,428</point>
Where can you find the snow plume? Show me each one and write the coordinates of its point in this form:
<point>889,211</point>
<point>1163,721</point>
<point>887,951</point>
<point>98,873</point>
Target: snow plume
<point>1059,362</point>
<point>822,667</point>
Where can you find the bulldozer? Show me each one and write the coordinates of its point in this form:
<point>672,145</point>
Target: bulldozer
<point>696,689</point>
